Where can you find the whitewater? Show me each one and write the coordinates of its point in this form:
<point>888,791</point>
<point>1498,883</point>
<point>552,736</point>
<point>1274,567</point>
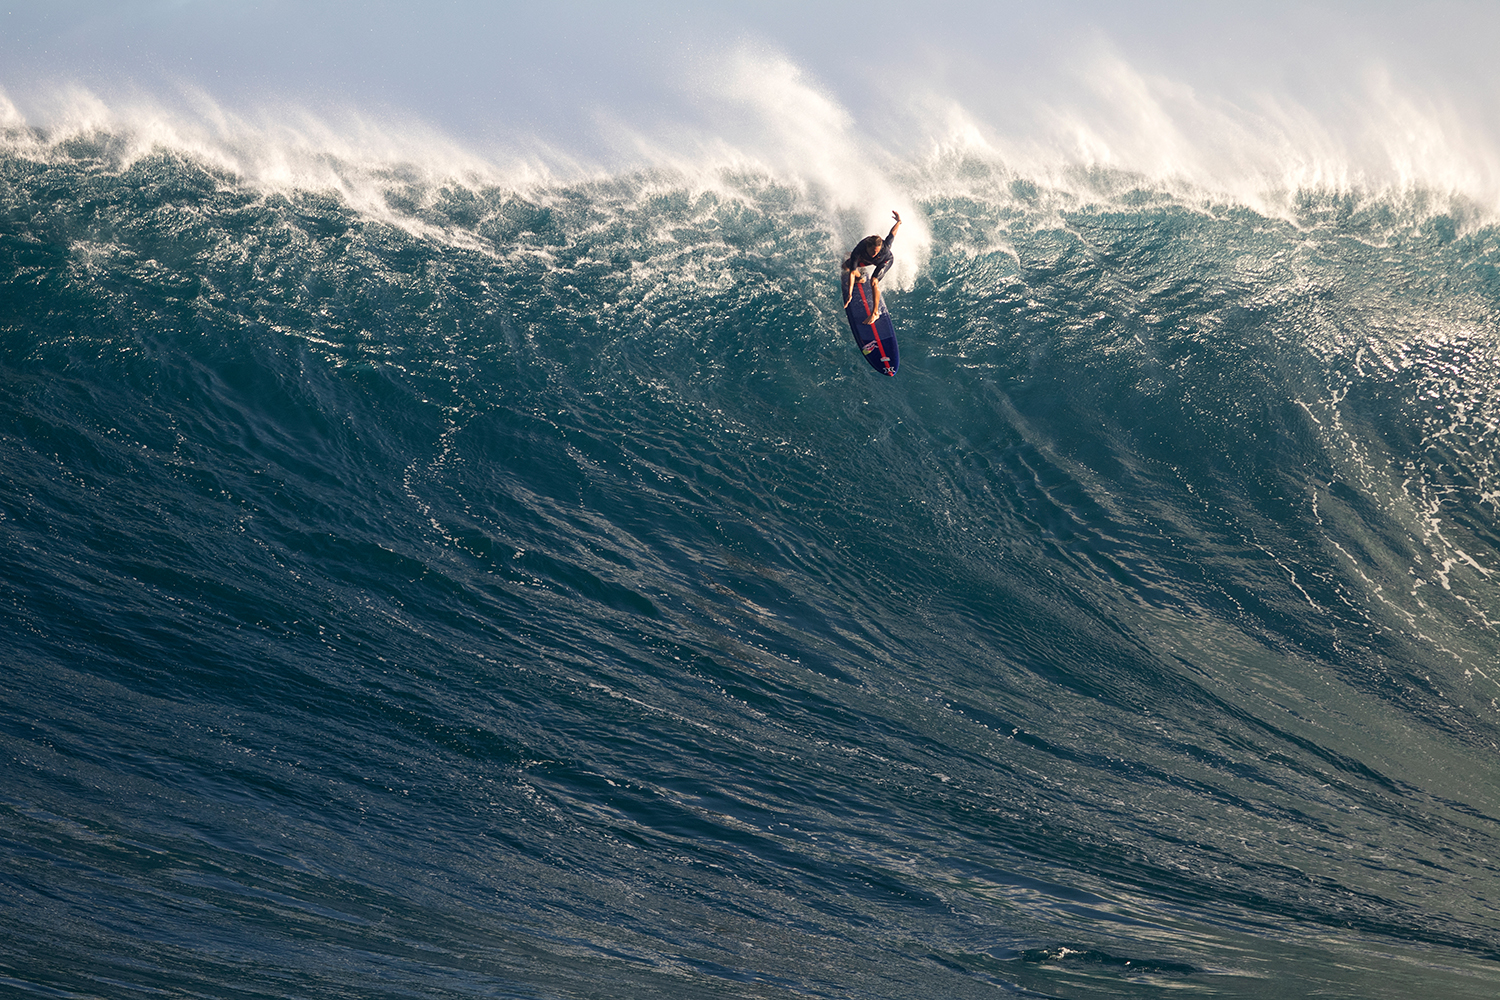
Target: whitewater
<point>425,576</point>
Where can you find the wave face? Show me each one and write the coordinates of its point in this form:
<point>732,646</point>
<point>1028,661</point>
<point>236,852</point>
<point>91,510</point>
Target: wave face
<point>530,592</point>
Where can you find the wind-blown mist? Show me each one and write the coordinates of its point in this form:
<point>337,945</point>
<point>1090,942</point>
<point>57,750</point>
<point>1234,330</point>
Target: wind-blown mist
<point>434,572</point>
<point>1302,92</point>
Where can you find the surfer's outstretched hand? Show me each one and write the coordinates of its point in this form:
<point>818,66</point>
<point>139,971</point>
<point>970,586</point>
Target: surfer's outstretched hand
<point>896,215</point>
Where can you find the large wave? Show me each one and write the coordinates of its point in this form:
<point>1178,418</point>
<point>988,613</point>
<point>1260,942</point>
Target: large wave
<point>428,578</point>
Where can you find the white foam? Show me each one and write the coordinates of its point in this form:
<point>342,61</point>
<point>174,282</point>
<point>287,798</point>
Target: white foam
<point>758,111</point>
<point>1381,139</point>
<point>814,139</point>
<point>766,116</point>
<point>10,116</point>
<point>274,148</point>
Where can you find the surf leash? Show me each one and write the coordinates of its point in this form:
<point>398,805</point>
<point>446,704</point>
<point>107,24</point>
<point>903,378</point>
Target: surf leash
<point>874,332</point>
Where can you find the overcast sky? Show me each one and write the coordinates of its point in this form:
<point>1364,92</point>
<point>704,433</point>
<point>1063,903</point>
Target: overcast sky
<point>576,76</point>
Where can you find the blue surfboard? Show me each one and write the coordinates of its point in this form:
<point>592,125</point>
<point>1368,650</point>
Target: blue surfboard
<point>877,340</point>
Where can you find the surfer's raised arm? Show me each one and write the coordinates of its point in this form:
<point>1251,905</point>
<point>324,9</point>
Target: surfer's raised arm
<point>887,258</point>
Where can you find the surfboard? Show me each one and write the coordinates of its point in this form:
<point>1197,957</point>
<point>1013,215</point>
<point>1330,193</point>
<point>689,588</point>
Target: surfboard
<point>877,340</point>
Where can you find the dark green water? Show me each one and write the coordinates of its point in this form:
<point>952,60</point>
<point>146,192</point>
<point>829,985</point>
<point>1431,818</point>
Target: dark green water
<point>530,592</point>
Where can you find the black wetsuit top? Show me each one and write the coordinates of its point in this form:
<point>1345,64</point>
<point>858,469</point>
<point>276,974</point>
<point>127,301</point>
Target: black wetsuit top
<point>882,261</point>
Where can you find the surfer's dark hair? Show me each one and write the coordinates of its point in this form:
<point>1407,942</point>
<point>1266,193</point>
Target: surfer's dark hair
<point>868,243</point>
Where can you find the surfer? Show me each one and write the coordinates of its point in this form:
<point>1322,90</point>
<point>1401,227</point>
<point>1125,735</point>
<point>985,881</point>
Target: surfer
<point>872,251</point>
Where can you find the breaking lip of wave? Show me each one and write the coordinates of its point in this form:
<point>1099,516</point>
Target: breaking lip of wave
<point>1124,131</point>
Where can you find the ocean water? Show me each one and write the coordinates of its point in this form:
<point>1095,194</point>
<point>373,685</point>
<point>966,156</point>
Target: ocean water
<point>443,587</point>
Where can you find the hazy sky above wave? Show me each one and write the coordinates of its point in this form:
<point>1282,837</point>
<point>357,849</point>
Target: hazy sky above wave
<point>588,78</point>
